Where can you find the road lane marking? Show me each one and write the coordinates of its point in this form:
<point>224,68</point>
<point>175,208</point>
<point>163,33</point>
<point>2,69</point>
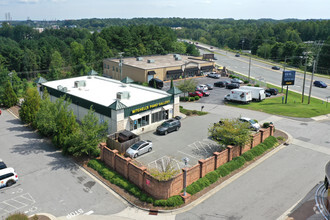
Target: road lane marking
<point>89,213</point>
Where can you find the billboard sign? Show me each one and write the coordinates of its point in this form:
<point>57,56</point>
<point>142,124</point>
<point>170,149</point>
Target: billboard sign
<point>288,78</point>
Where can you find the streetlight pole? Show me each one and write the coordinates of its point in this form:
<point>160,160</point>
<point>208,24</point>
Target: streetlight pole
<point>185,160</point>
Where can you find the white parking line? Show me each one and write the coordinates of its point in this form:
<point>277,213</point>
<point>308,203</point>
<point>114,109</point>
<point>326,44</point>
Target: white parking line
<point>188,155</point>
<point>89,213</point>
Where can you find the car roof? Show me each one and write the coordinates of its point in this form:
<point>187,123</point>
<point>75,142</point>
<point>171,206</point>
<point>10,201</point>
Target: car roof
<point>245,118</point>
<point>7,170</point>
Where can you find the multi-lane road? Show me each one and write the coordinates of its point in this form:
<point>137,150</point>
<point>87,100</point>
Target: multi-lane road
<point>261,69</point>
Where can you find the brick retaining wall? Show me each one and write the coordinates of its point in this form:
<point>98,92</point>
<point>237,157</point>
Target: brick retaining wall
<point>165,189</point>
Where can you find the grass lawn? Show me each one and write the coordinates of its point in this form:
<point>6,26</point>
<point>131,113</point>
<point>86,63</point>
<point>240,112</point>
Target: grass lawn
<point>293,108</point>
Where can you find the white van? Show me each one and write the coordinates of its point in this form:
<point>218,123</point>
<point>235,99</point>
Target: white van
<point>239,95</point>
<point>258,93</point>
<point>8,177</point>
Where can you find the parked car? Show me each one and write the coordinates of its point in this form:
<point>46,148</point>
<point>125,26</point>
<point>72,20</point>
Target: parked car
<point>267,94</point>
<point>320,84</point>
<point>2,165</point>
<point>205,93</point>
<point>235,80</point>
<point>168,126</point>
<point>209,86</point>
<point>253,124</point>
<point>139,148</point>
<point>214,75</point>
<point>8,177</point>
<point>237,55</point>
<point>276,68</point>
<point>196,93</point>
<point>221,83</point>
<point>232,86</point>
<point>272,91</point>
<point>201,87</point>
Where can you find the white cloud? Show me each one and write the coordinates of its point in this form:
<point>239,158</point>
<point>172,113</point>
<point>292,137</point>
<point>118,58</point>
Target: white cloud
<point>59,0</point>
<point>28,1</point>
<point>204,1</point>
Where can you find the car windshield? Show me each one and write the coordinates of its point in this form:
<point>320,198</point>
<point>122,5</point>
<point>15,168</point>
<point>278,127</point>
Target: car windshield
<point>137,145</point>
<point>252,121</point>
<point>166,124</point>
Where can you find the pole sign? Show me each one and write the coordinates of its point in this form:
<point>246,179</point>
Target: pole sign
<point>288,78</point>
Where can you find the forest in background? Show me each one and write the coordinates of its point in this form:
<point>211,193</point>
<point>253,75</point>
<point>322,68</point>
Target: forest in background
<point>78,46</point>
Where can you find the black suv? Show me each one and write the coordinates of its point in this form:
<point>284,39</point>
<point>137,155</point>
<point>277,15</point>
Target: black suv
<point>168,126</point>
<point>272,91</point>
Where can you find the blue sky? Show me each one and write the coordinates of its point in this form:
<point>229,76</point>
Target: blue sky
<point>237,9</point>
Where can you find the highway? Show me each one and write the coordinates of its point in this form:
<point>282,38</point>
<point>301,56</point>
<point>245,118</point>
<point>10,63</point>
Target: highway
<point>261,69</point>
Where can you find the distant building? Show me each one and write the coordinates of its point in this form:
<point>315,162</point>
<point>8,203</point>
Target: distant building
<point>40,30</point>
<point>164,67</point>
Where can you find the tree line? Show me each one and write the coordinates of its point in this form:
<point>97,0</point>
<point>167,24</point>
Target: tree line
<point>66,52</point>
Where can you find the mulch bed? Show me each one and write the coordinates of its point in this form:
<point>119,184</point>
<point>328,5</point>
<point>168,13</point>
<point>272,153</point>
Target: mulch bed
<point>132,199</point>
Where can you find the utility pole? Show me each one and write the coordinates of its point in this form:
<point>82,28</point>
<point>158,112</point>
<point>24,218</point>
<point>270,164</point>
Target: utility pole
<point>310,87</point>
<point>283,71</point>
<point>303,88</point>
<point>121,65</point>
<point>249,68</point>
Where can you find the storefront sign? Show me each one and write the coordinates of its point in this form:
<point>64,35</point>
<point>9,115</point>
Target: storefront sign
<point>288,78</point>
<point>147,107</point>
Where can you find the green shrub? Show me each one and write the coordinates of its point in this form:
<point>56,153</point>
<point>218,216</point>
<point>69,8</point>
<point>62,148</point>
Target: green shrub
<point>143,197</point>
<point>145,84</point>
<point>249,85</point>
<point>280,138</point>
<point>194,112</point>
<point>193,188</point>
<point>186,99</point>
<point>181,107</point>
<point>212,177</point>
<point>197,97</point>
<point>181,99</point>
<point>246,81</point>
<point>240,161</point>
<point>248,156</point>
<point>94,164</point>
<point>265,125</point>
<point>256,85</point>
<point>255,120</point>
<point>174,201</point>
<point>17,216</point>
<point>160,202</point>
<point>222,171</point>
<point>257,150</point>
<point>191,99</point>
<point>150,200</point>
<point>188,113</point>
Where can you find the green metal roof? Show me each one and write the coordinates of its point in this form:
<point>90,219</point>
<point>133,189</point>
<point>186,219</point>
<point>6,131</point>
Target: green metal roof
<point>40,80</point>
<point>92,73</point>
<point>127,80</point>
<point>174,91</point>
<point>117,105</point>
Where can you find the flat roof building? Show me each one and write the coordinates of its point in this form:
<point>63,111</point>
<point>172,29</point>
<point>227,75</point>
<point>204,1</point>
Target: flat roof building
<point>164,67</point>
<point>125,106</point>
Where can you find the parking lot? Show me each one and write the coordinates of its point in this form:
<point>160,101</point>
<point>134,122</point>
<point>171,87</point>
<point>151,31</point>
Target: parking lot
<point>48,182</point>
<point>192,140</point>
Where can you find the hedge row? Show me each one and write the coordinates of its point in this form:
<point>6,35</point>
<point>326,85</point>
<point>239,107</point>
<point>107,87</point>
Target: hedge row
<point>131,188</point>
<point>230,166</point>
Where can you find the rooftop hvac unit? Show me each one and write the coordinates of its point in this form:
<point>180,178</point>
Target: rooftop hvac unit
<point>59,87</point>
<point>65,89</point>
<point>80,83</point>
<point>178,58</point>
<point>175,55</point>
<point>151,61</point>
<point>139,59</point>
<point>123,95</point>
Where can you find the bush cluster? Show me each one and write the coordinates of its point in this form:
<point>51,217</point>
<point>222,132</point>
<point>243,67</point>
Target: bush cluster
<point>123,183</point>
<point>197,97</point>
<point>246,81</point>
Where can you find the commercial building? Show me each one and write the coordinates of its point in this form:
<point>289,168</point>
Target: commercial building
<point>164,67</point>
<point>123,105</point>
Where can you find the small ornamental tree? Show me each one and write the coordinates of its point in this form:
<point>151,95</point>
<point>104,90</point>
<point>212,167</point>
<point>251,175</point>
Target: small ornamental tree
<point>30,105</point>
<point>187,85</point>
<point>9,98</point>
<point>85,140</point>
<point>231,132</point>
